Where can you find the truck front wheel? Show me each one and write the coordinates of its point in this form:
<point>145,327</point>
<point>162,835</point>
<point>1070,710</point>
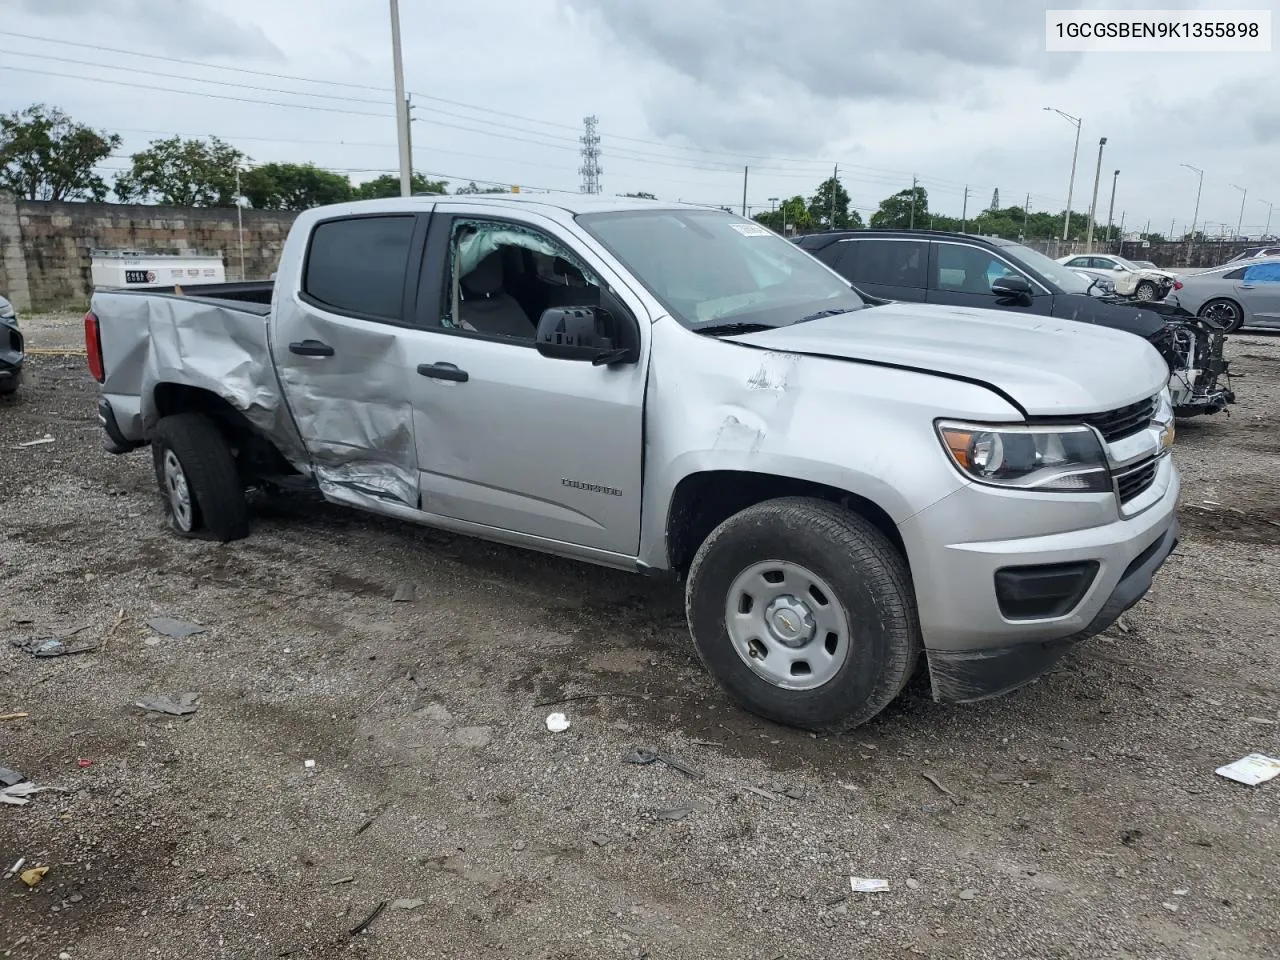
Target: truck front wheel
<point>201,488</point>
<point>805,613</point>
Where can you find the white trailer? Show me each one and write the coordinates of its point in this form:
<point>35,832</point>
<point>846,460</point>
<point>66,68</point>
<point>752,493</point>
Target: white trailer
<point>112,269</point>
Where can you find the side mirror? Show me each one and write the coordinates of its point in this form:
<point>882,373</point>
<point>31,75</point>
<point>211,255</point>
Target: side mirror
<point>579,333</point>
<point>1119,268</point>
<point>1011,288</point>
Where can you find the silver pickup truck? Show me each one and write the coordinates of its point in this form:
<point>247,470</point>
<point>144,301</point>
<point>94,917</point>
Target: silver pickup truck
<point>839,485</point>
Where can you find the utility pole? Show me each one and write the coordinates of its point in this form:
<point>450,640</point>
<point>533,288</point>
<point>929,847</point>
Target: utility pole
<point>1026,211</point>
<point>1093,204</point>
<point>1121,250</point>
<point>1266,231</point>
<point>1111,210</point>
<point>964,211</point>
<point>744,191</point>
<point>1239,223</point>
<point>240,219</point>
<point>835,182</point>
<point>912,224</point>
<point>402,105</point>
<point>1066,223</point>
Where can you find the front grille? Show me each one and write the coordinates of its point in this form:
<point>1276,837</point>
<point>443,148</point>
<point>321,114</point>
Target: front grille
<point>1117,424</point>
<point>1136,480</point>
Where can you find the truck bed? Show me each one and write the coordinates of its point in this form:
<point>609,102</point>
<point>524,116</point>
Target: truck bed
<point>209,337</point>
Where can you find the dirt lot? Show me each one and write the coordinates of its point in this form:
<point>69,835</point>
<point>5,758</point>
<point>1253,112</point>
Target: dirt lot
<point>1083,817</point>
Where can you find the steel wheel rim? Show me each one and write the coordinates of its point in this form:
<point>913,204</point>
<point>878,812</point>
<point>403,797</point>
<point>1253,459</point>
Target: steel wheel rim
<point>1222,313</point>
<point>177,490</point>
<point>786,625</point>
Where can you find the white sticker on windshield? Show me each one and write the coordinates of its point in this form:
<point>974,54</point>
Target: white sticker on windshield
<point>750,229</point>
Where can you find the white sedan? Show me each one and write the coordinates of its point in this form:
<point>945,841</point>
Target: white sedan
<point>1130,279</point>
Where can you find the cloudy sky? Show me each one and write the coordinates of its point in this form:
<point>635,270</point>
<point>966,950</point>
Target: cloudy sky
<point>687,92</point>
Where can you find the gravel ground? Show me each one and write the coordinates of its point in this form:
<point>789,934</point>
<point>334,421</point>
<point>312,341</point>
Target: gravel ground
<point>1080,817</point>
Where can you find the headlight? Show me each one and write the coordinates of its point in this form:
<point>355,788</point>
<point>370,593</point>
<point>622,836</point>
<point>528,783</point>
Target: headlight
<point>1049,459</point>
<point>1163,418</point>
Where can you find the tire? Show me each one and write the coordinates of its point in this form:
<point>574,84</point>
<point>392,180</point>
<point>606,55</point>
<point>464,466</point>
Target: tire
<point>1223,311</point>
<point>1146,291</point>
<point>9,385</point>
<point>811,543</point>
<point>192,456</point>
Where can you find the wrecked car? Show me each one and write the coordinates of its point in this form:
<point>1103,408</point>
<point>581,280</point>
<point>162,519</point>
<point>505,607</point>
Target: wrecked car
<point>921,266</point>
<point>841,487</point>
<point>12,349</point>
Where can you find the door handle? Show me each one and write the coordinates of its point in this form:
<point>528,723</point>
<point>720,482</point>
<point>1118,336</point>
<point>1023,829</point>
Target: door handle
<point>1246,286</point>
<point>443,371</point>
<point>311,348</point>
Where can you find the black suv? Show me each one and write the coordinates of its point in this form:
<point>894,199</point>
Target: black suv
<point>927,266</point>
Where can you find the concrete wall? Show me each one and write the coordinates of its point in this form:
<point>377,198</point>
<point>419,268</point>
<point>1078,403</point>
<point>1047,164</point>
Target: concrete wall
<point>44,246</point>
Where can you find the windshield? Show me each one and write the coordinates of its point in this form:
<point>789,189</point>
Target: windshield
<point>710,267</point>
<point>1056,273</point>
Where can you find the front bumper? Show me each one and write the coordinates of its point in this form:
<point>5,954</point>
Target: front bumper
<point>974,649</point>
<point>963,676</point>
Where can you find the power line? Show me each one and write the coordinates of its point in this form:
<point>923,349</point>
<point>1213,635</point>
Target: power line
<point>192,63</point>
<point>181,76</point>
<point>197,93</point>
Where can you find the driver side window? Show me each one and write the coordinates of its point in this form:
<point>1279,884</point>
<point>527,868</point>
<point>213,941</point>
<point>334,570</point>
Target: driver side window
<point>965,269</point>
<point>501,275</point>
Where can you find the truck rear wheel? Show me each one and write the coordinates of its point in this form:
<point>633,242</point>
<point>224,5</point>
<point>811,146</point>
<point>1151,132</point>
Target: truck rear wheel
<point>202,491</point>
<point>805,613</point>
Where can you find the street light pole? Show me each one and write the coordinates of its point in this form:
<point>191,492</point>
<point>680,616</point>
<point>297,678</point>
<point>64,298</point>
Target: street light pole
<point>1266,231</point>
<point>1196,215</point>
<point>1066,225</point>
<point>402,105</point>
<point>1111,210</point>
<point>1239,223</point>
<point>1093,204</point>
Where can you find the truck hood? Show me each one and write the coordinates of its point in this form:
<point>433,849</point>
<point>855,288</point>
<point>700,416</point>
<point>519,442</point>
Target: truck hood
<point>1047,366</point>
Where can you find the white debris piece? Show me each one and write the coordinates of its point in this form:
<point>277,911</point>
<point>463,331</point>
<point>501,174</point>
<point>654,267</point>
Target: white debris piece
<point>557,723</point>
<point>868,885</point>
<point>1252,770</point>
<point>309,764</point>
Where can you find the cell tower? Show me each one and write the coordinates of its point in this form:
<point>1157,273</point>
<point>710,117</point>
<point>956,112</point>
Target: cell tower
<point>995,200</point>
<point>590,168</point>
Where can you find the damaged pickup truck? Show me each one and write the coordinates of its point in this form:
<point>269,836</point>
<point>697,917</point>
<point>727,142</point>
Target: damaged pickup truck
<point>676,391</point>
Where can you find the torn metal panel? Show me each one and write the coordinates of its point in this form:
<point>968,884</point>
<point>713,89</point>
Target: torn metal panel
<point>195,342</point>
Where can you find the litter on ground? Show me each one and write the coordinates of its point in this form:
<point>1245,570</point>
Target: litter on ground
<point>1252,770</point>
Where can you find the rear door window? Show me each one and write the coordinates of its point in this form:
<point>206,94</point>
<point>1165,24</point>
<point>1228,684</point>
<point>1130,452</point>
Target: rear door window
<point>1262,273</point>
<point>892,263</point>
<point>357,266</point>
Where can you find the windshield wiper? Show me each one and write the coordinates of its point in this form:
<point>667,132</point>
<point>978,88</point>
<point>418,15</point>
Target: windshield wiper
<point>732,327</point>
<point>827,313</point>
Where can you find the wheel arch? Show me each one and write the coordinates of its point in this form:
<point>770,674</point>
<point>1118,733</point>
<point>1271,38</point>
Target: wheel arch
<point>701,501</point>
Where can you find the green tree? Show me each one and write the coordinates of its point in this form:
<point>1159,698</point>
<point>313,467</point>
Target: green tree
<point>182,173</point>
<point>293,186</point>
<point>1153,237</point>
<point>472,188</point>
<point>831,215</point>
<point>45,155</point>
<point>896,211</point>
<point>388,185</point>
